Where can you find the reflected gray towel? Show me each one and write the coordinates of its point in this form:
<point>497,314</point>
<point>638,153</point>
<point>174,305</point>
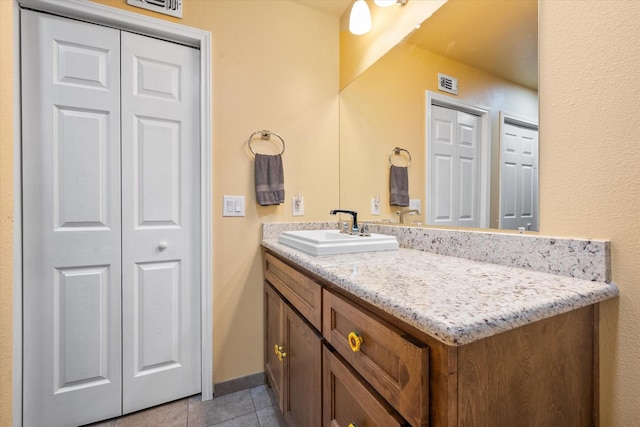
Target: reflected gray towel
<point>399,186</point>
<point>269,180</point>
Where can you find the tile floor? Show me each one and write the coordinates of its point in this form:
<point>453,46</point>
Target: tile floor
<point>255,407</point>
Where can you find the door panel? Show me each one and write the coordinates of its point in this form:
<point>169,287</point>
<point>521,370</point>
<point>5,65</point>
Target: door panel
<point>519,177</point>
<point>160,216</point>
<point>157,173</point>
<point>71,221</point>
<point>468,157</point>
<point>81,172</point>
<point>454,179</point>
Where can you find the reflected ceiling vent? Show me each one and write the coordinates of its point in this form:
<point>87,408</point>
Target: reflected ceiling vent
<point>447,83</point>
<point>167,7</point>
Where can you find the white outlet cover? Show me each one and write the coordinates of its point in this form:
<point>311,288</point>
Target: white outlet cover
<point>375,206</point>
<point>415,204</point>
<point>297,206</point>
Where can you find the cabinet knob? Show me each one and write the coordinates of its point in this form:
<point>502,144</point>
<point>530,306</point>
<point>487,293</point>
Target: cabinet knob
<point>163,245</point>
<point>278,350</point>
<point>352,425</point>
<point>355,341</point>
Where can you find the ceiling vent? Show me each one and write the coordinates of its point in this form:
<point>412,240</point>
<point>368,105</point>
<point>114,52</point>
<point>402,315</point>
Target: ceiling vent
<point>447,83</point>
<point>167,7</point>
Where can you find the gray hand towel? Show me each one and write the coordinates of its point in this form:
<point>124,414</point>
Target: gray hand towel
<point>269,180</point>
<point>399,186</point>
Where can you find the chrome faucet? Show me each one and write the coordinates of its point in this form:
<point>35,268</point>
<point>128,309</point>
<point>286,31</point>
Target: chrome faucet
<point>401,214</point>
<point>354,215</point>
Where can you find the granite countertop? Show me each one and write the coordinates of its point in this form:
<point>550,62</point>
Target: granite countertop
<point>455,300</point>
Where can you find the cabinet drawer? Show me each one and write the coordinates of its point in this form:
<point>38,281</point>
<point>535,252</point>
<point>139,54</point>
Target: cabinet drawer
<point>302,292</point>
<point>347,400</point>
<point>395,364</point>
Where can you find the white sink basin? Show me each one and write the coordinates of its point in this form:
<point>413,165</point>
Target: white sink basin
<point>329,242</point>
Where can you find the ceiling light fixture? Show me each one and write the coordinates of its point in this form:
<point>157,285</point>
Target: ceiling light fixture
<point>360,18</point>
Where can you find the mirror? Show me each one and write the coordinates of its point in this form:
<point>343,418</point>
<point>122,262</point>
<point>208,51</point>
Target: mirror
<point>491,48</point>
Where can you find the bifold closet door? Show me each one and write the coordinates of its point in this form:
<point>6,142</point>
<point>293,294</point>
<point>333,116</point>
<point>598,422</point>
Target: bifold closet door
<point>71,221</point>
<point>111,221</point>
<point>160,222</point>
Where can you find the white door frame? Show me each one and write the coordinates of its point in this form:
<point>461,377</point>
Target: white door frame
<point>434,98</point>
<point>514,119</point>
<point>124,20</point>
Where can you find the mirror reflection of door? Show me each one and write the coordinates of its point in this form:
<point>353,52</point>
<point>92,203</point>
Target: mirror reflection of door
<point>518,173</point>
<point>457,169</point>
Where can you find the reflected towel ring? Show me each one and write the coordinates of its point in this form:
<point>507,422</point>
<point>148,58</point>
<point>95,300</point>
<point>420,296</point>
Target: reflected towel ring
<point>266,135</point>
<point>396,151</point>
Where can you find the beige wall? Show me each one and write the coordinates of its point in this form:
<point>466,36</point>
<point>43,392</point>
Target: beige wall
<point>590,181</point>
<point>6,210</point>
<point>589,157</point>
<point>385,107</point>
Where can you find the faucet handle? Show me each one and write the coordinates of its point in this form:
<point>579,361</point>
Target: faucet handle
<point>345,227</point>
<point>364,230</point>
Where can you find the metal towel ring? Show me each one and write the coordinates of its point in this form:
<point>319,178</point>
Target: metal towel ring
<point>266,135</point>
<point>396,151</point>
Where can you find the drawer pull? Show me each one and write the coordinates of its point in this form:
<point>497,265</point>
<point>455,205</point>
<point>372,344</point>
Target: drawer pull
<point>278,349</point>
<point>355,341</point>
<point>352,424</point>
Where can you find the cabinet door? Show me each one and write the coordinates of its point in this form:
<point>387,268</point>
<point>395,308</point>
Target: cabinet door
<point>274,366</point>
<point>302,372</point>
<point>348,400</point>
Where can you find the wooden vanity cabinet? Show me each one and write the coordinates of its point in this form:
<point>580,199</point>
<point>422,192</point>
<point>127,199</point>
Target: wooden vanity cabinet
<point>541,374</point>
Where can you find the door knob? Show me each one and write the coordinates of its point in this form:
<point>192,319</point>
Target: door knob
<point>163,245</point>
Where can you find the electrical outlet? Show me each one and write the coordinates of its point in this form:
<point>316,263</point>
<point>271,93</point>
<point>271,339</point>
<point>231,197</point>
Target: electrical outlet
<point>415,204</point>
<point>232,205</point>
<point>375,206</point>
<point>297,204</point>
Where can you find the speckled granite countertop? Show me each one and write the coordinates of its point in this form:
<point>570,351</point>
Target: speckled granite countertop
<point>454,300</point>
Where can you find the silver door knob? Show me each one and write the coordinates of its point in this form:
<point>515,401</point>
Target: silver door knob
<point>163,245</point>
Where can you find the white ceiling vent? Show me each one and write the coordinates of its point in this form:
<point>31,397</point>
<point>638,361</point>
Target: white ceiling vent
<point>167,7</point>
<point>447,83</point>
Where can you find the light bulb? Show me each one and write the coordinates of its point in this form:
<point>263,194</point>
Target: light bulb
<point>384,3</point>
<point>360,18</point>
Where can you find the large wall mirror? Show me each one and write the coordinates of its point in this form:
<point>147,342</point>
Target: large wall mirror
<point>473,155</point>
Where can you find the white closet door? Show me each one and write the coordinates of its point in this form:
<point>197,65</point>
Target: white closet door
<point>442,152</point>
<point>71,224</point>
<point>519,177</point>
<point>160,221</point>
<point>468,170</point>
<point>454,175</point>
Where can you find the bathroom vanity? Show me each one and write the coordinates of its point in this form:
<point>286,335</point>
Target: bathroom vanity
<point>411,337</point>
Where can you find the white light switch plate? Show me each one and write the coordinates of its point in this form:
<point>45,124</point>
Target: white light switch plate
<point>415,204</point>
<point>232,205</point>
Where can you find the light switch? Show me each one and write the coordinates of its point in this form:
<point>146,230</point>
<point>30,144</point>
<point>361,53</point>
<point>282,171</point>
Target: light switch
<point>233,206</point>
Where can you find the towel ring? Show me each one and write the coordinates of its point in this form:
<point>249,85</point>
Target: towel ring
<point>396,152</point>
<point>266,135</point>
